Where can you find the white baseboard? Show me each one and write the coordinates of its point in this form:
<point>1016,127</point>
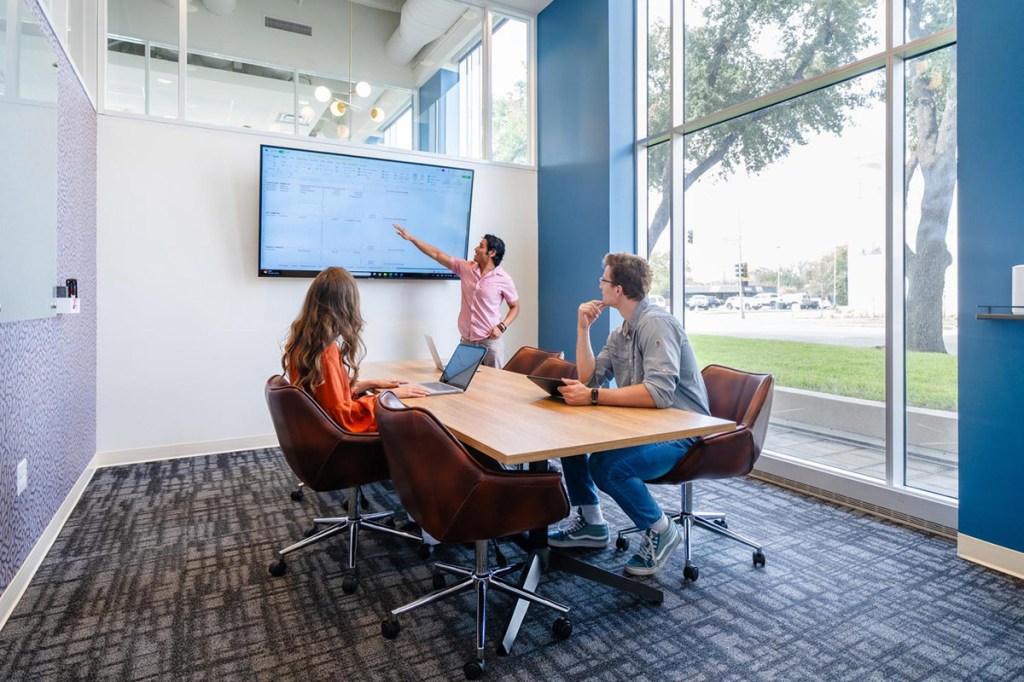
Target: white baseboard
<point>1002,559</point>
<point>16,588</point>
<point>164,452</point>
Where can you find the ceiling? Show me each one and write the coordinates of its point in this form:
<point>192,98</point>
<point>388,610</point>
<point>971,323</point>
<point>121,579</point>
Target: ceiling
<point>528,6</point>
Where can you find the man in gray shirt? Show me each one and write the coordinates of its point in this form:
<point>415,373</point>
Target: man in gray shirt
<point>653,366</point>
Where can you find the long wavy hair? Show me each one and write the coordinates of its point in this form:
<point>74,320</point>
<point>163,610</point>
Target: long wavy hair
<point>330,314</point>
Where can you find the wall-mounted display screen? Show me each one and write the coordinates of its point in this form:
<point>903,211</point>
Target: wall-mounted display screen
<point>319,209</point>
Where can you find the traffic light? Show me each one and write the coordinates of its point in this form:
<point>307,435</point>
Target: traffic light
<point>738,270</point>
<point>743,270</point>
<point>689,236</point>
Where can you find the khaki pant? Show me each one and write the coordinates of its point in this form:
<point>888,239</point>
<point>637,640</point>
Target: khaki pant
<point>495,356</point>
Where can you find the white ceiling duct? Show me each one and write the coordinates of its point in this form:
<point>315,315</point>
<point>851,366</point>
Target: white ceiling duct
<point>221,7</point>
<point>422,21</point>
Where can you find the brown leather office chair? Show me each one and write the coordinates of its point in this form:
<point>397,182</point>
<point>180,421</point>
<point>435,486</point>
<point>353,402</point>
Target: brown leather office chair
<point>556,368</point>
<point>326,457</point>
<point>526,359</point>
<point>469,503</point>
<point>741,397</point>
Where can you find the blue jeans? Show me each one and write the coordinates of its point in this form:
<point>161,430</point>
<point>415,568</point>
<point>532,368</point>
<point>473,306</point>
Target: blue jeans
<point>621,473</point>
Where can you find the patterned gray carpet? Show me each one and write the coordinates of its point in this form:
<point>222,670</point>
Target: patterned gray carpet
<point>160,574</point>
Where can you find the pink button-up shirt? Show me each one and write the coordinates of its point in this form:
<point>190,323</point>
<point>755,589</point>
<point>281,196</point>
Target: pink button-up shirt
<point>481,298</point>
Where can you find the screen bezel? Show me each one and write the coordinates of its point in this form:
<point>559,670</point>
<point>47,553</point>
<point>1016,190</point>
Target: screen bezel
<point>443,273</point>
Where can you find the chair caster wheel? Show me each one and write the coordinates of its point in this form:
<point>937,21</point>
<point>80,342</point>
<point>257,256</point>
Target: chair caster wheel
<point>278,568</point>
<point>439,581</point>
<point>691,573</point>
<point>561,628</point>
<point>297,495</point>
<point>311,531</point>
<point>349,584</point>
<point>390,629</point>
<point>759,558</point>
<point>423,551</point>
<point>621,543</point>
<point>474,670</point>
<point>721,522</point>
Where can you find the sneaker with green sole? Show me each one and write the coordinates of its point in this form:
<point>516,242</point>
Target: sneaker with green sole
<point>655,549</point>
<point>579,533</point>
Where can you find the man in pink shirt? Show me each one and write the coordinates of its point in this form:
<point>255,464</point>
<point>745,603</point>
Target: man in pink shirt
<point>484,285</point>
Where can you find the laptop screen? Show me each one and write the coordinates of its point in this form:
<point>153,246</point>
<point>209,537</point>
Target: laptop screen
<point>461,368</point>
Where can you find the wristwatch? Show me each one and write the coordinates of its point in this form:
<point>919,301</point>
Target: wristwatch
<point>593,396</point>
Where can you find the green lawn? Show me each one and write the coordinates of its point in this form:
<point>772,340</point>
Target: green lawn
<point>840,370</point>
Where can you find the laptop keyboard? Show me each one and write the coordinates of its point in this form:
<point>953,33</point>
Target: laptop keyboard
<point>436,387</point>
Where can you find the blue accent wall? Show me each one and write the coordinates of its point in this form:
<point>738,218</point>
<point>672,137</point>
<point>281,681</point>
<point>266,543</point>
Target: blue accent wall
<point>585,176</point>
<point>991,214</point>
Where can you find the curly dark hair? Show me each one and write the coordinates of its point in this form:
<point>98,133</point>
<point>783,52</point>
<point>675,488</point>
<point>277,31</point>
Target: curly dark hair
<point>496,245</point>
<point>631,272</point>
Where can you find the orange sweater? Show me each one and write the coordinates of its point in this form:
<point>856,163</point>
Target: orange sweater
<point>335,395</point>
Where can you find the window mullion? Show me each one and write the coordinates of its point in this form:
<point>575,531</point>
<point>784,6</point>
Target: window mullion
<point>676,148</point>
<point>895,231</point>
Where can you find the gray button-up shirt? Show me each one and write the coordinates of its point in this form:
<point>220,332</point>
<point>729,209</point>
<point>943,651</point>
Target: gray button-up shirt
<point>651,348</point>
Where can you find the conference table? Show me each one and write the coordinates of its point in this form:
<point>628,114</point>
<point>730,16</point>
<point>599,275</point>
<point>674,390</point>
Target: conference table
<point>512,420</point>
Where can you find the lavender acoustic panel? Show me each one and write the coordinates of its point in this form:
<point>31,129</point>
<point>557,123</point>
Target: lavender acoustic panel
<point>48,366</point>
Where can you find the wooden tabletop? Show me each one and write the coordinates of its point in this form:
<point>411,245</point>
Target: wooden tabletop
<point>508,417</point>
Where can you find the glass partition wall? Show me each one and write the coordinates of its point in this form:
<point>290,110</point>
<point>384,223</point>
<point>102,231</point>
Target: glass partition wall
<point>796,199</point>
<point>409,75</point>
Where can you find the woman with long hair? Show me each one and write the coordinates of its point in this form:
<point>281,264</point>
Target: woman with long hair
<point>325,347</point>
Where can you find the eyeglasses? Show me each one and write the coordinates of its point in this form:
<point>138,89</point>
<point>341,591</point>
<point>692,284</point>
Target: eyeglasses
<point>606,281</point>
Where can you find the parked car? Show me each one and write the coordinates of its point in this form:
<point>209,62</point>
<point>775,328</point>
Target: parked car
<point>766,300</point>
<point>802,301</point>
<point>698,302</point>
<point>714,302</point>
<point>733,303</point>
<point>658,300</point>
<point>822,303</point>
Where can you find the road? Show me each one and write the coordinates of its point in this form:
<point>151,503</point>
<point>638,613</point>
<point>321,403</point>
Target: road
<point>811,326</point>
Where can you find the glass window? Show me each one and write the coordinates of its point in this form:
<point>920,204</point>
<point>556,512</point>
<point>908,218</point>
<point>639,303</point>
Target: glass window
<point>362,72</point>
<point>659,66</point>
<point>659,223</point>
<point>931,270</point>
<point>786,208</point>
<point>510,113</point>
<point>924,17</point>
<point>739,51</point>
<point>470,93</point>
<point>142,57</point>
<point>398,133</point>
<point>3,45</point>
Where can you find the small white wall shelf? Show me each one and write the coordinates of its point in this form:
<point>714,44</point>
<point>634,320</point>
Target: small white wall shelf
<point>67,306</point>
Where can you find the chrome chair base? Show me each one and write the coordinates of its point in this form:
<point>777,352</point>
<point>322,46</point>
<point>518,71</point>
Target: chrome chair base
<point>354,521</point>
<point>480,580</point>
<point>687,518</point>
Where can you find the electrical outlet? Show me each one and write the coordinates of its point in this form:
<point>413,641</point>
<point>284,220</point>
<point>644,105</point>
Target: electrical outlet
<point>22,476</point>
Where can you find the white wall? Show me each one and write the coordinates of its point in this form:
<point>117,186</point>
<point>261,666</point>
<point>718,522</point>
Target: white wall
<point>188,334</point>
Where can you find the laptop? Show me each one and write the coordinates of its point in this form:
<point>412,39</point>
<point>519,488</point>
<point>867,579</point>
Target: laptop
<point>459,371</point>
<point>433,352</point>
